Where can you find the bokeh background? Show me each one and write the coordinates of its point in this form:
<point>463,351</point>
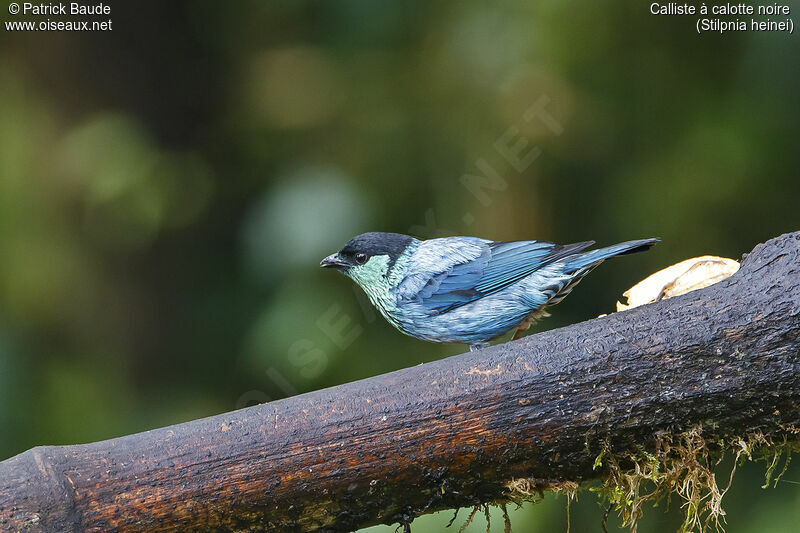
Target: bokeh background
<point>168,188</point>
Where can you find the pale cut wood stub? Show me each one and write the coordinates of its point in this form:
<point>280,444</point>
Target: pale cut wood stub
<point>688,275</point>
<point>445,434</point>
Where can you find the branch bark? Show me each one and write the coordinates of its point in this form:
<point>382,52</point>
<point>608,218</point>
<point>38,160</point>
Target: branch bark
<point>444,434</point>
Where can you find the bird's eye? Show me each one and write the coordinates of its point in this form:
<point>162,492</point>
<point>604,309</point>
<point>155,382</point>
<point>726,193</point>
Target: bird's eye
<point>361,258</point>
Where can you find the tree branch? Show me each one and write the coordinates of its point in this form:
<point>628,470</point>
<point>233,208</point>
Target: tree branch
<point>446,434</point>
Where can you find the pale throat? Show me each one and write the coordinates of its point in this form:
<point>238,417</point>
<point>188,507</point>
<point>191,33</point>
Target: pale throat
<point>374,279</point>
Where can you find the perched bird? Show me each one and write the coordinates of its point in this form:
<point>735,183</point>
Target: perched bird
<point>465,289</point>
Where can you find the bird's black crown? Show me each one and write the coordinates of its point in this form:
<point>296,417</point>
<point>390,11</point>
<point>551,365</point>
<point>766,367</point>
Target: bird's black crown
<point>375,243</point>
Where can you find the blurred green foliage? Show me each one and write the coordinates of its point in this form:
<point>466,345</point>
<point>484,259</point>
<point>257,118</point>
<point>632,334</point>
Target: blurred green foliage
<point>168,188</point>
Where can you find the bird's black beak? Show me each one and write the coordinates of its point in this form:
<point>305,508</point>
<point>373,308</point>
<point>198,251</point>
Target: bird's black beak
<point>333,261</point>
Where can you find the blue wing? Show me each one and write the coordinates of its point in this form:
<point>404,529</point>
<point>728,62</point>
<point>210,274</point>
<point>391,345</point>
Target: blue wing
<point>447,273</point>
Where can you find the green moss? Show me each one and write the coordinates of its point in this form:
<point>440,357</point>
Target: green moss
<point>681,466</point>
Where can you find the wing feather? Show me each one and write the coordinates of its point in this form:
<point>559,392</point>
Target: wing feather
<point>448,273</point>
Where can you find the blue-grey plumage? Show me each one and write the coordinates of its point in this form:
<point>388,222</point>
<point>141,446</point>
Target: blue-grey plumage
<point>465,289</point>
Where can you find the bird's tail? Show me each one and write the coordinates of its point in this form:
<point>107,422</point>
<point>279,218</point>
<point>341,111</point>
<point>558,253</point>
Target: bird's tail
<point>593,258</point>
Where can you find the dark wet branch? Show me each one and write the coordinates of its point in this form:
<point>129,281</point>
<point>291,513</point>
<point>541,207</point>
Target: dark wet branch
<point>445,434</point>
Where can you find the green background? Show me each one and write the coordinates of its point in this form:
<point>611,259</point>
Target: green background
<point>168,188</point>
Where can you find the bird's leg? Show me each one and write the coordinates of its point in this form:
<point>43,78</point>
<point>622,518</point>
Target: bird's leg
<point>476,347</point>
<point>530,320</point>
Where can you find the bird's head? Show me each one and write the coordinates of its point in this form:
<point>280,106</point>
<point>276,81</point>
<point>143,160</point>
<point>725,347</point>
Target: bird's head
<point>369,257</point>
